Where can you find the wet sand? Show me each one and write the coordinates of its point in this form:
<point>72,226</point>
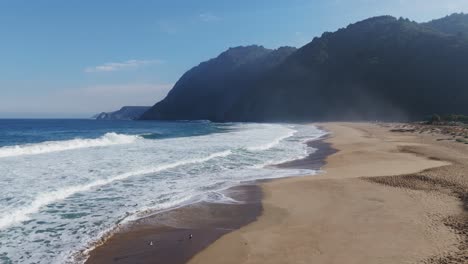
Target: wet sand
<point>165,237</point>
<point>314,161</point>
<point>169,231</point>
<point>385,197</point>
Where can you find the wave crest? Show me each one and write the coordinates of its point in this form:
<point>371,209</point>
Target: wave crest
<point>22,214</point>
<point>273,143</point>
<point>77,143</point>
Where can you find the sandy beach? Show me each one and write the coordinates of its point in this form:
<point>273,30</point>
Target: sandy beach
<point>385,197</point>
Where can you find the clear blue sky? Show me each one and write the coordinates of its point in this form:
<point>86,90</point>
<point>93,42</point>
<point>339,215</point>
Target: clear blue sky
<point>75,58</point>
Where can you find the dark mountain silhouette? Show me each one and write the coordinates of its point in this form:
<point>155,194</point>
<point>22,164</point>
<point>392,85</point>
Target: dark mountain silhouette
<point>209,89</point>
<point>455,24</point>
<point>380,68</point>
<point>125,113</point>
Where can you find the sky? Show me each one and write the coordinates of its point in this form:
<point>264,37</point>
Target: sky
<point>73,59</point>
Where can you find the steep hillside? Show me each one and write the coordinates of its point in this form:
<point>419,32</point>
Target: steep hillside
<point>380,68</point>
<point>208,90</point>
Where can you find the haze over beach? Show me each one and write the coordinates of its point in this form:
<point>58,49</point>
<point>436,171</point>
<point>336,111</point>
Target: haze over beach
<point>306,131</point>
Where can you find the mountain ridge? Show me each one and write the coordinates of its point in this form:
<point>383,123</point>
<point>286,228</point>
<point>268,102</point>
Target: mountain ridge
<point>377,68</point>
<point>209,89</point>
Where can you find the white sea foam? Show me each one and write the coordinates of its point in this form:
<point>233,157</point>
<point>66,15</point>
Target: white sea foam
<point>23,213</point>
<point>306,151</point>
<point>88,192</point>
<point>274,142</point>
<point>53,146</point>
<point>220,197</point>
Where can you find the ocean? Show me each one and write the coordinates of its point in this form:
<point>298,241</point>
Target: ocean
<point>66,183</point>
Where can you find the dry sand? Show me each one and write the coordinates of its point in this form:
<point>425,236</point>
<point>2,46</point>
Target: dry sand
<point>164,237</point>
<point>385,198</point>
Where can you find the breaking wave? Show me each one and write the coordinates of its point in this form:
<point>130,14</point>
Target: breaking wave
<point>273,143</point>
<point>22,214</point>
<point>77,143</point>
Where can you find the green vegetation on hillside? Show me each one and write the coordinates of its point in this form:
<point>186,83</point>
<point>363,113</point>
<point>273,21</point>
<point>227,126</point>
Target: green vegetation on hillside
<point>437,119</point>
<point>382,68</point>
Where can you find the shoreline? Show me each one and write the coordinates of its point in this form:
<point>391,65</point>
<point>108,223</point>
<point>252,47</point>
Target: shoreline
<point>314,161</point>
<point>164,237</point>
<point>169,230</point>
<point>384,197</point>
